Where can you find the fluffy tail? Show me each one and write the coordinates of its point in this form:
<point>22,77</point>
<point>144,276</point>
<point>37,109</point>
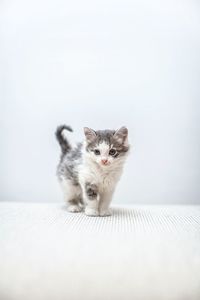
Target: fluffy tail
<point>64,144</point>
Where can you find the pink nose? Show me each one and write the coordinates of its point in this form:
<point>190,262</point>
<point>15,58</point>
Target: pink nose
<point>104,161</point>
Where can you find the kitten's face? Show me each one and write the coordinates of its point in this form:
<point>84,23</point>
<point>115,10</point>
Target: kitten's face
<point>106,147</point>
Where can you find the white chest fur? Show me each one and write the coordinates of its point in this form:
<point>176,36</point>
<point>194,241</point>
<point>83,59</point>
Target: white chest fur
<point>105,178</point>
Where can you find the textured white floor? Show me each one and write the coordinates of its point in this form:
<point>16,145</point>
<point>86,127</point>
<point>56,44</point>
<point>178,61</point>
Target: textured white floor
<point>141,252</point>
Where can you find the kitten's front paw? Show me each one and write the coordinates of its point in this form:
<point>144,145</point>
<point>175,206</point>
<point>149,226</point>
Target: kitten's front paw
<point>92,212</point>
<point>105,212</point>
<point>74,208</point>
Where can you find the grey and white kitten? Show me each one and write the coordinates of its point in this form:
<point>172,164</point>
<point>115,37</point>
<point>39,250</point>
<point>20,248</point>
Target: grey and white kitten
<point>88,173</point>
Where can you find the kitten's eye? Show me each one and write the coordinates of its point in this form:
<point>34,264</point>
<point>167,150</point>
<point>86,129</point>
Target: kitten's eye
<point>96,152</point>
<point>112,152</point>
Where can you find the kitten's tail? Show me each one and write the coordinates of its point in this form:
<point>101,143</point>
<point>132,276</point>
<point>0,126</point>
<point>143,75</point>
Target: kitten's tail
<point>64,144</point>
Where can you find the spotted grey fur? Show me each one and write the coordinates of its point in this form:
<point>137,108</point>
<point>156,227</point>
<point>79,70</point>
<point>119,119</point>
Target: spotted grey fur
<point>67,168</point>
<point>91,190</point>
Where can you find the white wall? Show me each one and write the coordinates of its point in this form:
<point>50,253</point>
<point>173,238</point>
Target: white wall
<point>101,64</point>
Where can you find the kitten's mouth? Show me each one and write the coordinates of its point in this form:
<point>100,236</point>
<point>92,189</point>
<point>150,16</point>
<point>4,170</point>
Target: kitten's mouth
<point>105,164</point>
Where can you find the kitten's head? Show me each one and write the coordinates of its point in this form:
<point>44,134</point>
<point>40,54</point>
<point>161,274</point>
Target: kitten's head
<point>106,147</point>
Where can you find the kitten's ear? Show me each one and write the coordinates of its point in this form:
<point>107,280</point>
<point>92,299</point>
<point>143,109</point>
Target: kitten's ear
<point>121,135</point>
<point>90,134</point>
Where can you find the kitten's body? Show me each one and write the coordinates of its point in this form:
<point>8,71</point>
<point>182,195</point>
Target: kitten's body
<point>88,179</point>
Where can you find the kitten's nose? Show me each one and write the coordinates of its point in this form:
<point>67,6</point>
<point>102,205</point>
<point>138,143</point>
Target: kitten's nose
<point>104,161</point>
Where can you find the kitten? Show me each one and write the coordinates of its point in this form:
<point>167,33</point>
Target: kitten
<point>88,173</point>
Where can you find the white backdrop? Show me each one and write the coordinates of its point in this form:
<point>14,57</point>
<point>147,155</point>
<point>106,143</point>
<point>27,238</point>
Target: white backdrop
<point>101,64</point>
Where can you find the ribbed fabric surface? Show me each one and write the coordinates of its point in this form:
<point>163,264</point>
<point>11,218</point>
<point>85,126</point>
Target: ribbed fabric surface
<point>140,252</point>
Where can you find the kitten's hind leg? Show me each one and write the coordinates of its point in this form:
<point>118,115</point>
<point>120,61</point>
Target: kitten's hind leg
<point>73,206</point>
<point>91,197</point>
<point>72,195</point>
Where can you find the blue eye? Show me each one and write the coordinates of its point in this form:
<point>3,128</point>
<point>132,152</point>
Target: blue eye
<point>112,152</point>
<point>96,152</point>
